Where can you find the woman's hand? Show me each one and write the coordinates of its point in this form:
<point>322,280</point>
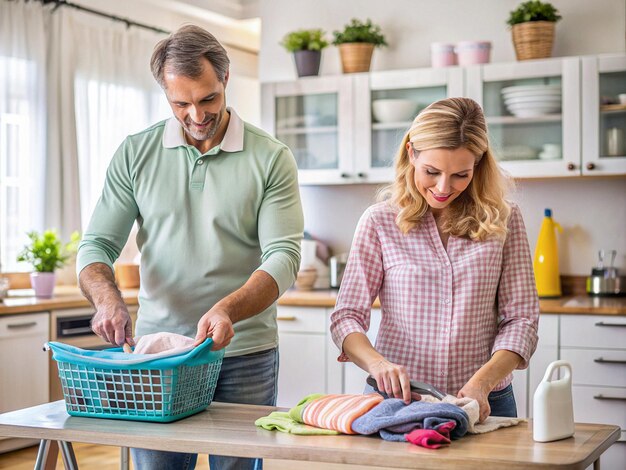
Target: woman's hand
<point>479,393</point>
<point>392,379</point>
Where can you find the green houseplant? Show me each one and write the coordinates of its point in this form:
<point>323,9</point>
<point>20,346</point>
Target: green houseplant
<point>356,44</point>
<point>45,253</point>
<point>532,26</point>
<point>306,45</point>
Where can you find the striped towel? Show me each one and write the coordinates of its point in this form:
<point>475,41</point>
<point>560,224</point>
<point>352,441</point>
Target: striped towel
<point>339,411</point>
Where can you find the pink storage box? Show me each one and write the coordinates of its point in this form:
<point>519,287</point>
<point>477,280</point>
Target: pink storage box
<point>473,52</point>
<point>442,54</point>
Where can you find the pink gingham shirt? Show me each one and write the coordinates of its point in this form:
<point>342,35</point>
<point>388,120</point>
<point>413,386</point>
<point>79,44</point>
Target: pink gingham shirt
<point>444,313</point>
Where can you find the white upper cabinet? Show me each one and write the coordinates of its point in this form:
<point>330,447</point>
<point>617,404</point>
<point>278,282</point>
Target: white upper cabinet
<point>533,114</point>
<point>546,118</point>
<point>603,117</point>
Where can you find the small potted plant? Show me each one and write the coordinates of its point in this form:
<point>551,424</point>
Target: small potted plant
<point>45,253</point>
<point>532,25</point>
<point>306,45</point>
<point>356,44</point>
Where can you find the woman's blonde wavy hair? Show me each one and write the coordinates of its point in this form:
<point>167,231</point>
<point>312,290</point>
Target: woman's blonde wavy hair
<point>481,211</point>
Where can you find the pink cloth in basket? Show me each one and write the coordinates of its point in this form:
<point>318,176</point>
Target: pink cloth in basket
<point>160,342</point>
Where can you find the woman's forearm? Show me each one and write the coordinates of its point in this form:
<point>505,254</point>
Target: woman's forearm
<point>501,364</point>
<point>359,349</point>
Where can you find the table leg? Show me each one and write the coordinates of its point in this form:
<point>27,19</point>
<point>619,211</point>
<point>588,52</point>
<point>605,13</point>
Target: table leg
<point>596,464</point>
<point>124,458</point>
<point>67,452</point>
<point>47,455</point>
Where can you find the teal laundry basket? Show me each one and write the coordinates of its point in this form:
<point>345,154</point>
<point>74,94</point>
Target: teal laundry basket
<point>140,387</point>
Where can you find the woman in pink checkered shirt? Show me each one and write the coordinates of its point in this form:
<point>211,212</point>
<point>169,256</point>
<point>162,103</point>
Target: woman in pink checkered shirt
<point>448,257</point>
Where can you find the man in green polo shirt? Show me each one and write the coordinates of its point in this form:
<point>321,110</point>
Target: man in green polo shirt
<point>217,204</point>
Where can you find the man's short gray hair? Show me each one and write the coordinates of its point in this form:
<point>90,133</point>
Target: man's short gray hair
<point>182,53</point>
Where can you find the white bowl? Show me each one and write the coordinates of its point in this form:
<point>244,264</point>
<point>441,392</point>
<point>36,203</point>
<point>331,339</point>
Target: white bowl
<point>394,110</point>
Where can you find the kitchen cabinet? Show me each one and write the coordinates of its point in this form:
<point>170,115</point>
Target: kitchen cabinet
<point>328,123</point>
<point>353,376</point>
<point>604,77</point>
<point>518,141</point>
<point>598,359</point>
<point>307,355</point>
<point>24,366</point>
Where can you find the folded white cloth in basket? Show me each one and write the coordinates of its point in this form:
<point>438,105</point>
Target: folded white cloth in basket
<point>160,342</point>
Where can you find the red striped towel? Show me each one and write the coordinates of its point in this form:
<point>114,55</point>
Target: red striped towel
<point>339,411</point>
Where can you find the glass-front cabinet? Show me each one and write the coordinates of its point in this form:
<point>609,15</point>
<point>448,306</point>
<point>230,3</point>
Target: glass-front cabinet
<point>313,116</point>
<point>386,104</point>
<point>546,118</point>
<point>533,114</point>
<point>604,114</point>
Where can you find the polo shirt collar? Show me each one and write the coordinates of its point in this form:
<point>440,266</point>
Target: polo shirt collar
<point>173,134</point>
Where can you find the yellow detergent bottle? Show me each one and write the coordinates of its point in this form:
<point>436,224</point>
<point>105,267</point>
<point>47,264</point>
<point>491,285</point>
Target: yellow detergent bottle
<point>546,262</point>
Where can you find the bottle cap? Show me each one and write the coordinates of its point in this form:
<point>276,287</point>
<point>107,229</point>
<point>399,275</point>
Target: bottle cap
<point>548,212</point>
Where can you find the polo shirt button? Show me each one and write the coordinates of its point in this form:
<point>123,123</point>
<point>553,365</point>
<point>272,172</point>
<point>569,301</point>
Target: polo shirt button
<point>446,263</point>
<point>446,301</point>
<point>200,162</point>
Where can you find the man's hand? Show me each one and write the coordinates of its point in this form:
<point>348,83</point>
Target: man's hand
<point>480,394</point>
<point>113,324</point>
<point>215,324</point>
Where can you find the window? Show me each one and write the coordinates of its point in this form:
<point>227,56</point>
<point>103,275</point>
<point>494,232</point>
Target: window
<point>21,158</point>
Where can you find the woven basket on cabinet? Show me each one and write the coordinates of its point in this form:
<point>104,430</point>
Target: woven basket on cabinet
<point>533,39</point>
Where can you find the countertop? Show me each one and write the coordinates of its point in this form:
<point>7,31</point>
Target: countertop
<point>584,305</point>
<point>23,301</point>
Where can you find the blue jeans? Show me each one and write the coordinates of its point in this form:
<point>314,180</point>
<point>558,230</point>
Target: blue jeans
<point>250,379</point>
<point>502,402</point>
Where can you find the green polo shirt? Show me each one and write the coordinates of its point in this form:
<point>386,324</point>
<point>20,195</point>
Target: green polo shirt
<point>206,223</point>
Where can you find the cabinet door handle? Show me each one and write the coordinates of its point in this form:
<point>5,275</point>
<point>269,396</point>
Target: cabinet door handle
<point>287,318</point>
<point>601,323</point>
<point>602,397</point>
<point>601,360</point>
<point>361,175</point>
<point>590,166</point>
<point>15,326</point>
<point>345,175</point>
<point>571,166</point>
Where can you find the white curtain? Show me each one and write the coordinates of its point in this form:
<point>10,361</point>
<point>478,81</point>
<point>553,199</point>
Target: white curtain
<point>115,95</point>
<point>22,125</point>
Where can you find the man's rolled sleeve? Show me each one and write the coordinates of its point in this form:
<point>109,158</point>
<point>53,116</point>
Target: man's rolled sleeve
<point>281,223</point>
<point>517,295</point>
<point>113,216</point>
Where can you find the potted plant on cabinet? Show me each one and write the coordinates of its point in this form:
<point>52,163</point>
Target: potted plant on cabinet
<point>532,25</point>
<point>356,44</point>
<point>45,253</point>
<point>306,45</point>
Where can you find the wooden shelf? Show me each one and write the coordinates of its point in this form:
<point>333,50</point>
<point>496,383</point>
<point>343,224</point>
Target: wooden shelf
<point>306,130</point>
<point>385,126</point>
<point>520,120</point>
<point>613,108</point>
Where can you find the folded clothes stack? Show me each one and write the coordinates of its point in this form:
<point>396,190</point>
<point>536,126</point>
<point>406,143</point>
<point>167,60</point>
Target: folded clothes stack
<point>429,423</point>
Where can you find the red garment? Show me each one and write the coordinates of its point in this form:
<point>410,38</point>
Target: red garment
<point>428,438</point>
<point>444,312</point>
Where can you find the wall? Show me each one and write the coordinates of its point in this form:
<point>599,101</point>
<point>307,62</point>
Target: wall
<point>595,220</point>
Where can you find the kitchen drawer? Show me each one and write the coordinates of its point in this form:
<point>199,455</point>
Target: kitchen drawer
<point>593,331</point>
<point>16,326</point>
<point>301,319</point>
<point>588,409</point>
<point>610,371</point>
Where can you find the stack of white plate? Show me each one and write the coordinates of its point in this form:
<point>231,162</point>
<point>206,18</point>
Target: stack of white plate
<point>532,100</point>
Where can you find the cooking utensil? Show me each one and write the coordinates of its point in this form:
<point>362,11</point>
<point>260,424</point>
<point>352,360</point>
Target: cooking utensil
<point>604,279</point>
<point>337,266</point>
<point>422,388</point>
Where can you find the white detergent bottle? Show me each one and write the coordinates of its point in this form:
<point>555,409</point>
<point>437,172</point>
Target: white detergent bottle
<point>553,411</point>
